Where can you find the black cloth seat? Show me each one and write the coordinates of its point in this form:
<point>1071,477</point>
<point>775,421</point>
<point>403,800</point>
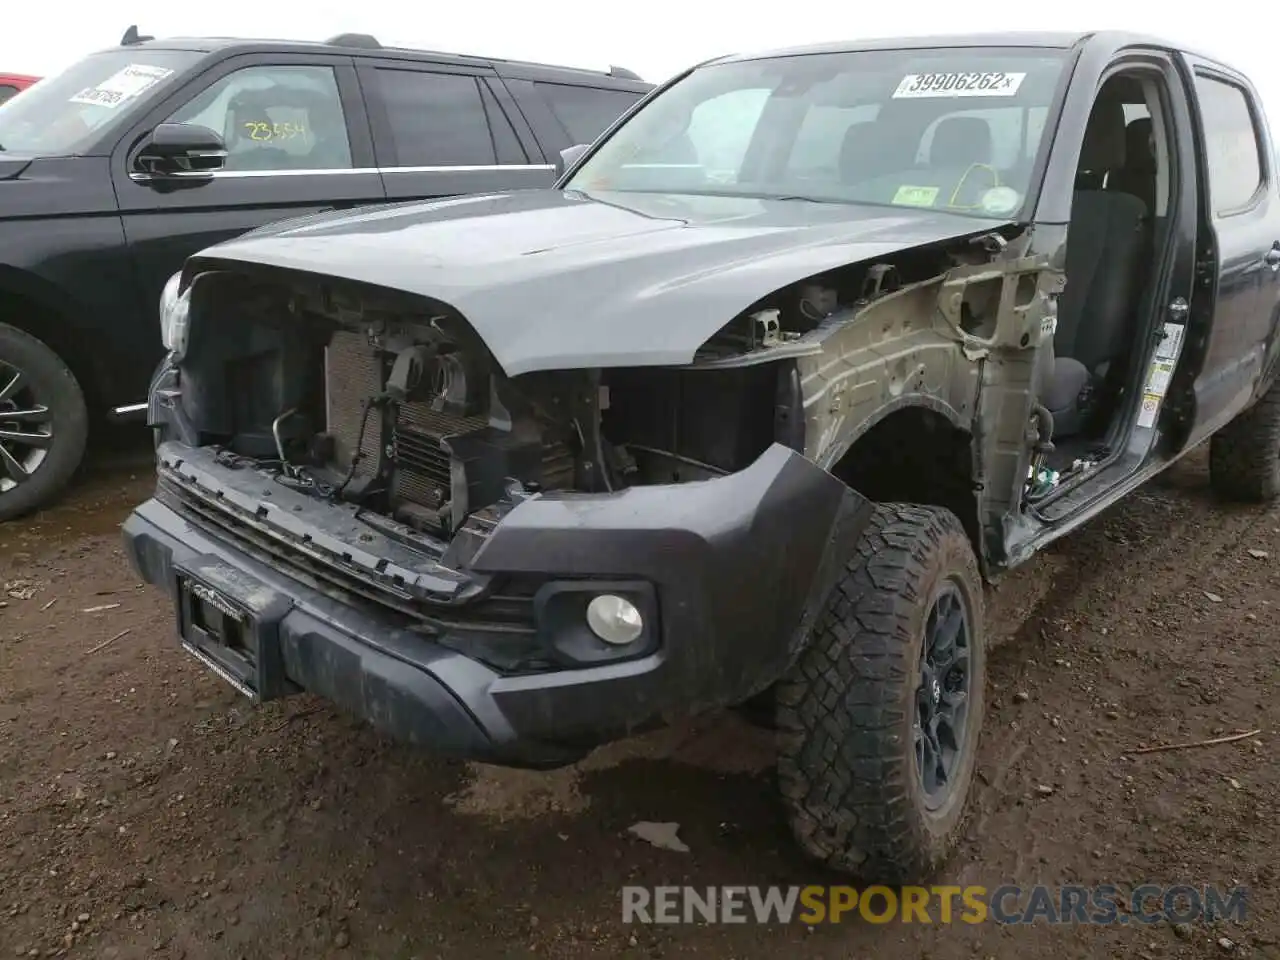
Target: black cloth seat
<point>1106,244</point>
<point>1138,175</point>
<point>961,142</point>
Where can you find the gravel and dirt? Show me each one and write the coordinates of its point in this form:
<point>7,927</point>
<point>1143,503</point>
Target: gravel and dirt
<point>146,810</point>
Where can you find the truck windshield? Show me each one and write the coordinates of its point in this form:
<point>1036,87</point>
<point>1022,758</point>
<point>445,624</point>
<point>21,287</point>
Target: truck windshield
<point>61,115</point>
<point>956,129</point>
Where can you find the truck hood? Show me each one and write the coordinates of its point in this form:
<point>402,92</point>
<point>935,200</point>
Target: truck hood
<point>12,164</point>
<point>555,279</point>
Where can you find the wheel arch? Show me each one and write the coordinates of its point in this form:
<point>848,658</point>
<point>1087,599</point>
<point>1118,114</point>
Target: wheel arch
<point>917,449</point>
<point>45,311</point>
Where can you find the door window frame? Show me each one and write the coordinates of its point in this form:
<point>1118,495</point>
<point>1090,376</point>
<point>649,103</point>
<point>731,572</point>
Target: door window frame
<point>353,109</point>
<point>384,143</point>
<point>555,116</point>
<point>550,136</point>
<point>1208,72</point>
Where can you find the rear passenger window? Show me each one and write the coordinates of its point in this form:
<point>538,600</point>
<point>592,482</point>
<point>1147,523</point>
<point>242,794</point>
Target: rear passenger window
<point>7,91</point>
<point>585,112</point>
<point>505,141</point>
<point>1231,144</point>
<point>439,119</point>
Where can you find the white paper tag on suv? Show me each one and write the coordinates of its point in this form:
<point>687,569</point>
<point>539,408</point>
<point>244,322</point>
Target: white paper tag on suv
<point>121,86</point>
<point>976,84</point>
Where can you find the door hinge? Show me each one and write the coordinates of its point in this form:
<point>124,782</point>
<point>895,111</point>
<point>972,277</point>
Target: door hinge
<point>1205,269</point>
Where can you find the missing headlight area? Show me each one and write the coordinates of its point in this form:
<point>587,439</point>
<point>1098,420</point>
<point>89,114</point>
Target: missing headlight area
<point>378,399</point>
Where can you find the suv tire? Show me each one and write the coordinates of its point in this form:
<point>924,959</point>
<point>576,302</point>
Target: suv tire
<point>851,765</point>
<point>1244,456</point>
<point>45,382</point>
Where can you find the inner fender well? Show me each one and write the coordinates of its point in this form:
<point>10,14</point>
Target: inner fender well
<point>924,401</point>
<point>917,449</point>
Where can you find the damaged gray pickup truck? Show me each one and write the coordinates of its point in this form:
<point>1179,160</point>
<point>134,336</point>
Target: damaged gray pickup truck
<point>744,411</point>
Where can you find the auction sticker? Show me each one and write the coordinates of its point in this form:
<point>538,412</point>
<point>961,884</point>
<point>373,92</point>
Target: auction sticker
<point>977,84</point>
<point>121,86</point>
<point>916,196</point>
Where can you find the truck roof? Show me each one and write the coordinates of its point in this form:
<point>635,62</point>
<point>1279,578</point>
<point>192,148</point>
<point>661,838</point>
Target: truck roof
<point>359,44</point>
<point>1060,40</point>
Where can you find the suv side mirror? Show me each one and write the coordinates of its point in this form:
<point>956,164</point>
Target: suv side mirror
<point>570,155</point>
<point>182,148</point>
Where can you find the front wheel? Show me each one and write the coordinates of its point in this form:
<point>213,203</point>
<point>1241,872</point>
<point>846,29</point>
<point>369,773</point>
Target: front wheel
<point>44,424</point>
<point>879,717</point>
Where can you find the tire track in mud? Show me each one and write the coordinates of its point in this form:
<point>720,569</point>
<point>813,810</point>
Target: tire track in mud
<point>1133,619</point>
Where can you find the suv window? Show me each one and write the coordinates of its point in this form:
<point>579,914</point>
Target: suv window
<point>441,120</point>
<point>7,91</point>
<point>275,118</point>
<point>1231,144</point>
<point>64,114</point>
<point>585,112</point>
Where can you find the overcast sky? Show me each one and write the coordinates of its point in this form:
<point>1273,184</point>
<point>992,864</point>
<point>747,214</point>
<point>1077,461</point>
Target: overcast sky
<point>653,37</point>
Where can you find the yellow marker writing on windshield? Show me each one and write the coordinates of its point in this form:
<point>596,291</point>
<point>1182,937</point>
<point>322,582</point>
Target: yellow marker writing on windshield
<point>995,178</point>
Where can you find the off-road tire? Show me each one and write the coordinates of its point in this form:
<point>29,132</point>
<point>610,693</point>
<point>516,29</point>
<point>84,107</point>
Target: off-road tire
<point>1244,456</point>
<point>846,761</point>
<point>65,399</point>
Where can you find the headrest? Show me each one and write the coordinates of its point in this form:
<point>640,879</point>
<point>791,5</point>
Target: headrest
<point>1139,148</point>
<point>1104,136</point>
<point>681,149</point>
<point>960,141</point>
<point>856,150</point>
<point>260,101</point>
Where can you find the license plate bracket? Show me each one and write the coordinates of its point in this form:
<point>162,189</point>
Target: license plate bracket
<point>232,626</point>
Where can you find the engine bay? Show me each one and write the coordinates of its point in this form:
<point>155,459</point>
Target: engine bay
<point>391,403</point>
<point>363,397</point>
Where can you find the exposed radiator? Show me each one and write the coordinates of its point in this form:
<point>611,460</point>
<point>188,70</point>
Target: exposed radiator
<point>354,372</point>
<point>423,474</point>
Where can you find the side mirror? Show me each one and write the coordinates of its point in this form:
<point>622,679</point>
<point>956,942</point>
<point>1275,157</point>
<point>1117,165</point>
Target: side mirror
<point>571,155</point>
<point>176,149</point>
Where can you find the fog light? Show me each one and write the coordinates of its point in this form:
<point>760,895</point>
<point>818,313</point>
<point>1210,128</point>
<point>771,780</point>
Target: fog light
<point>614,620</point>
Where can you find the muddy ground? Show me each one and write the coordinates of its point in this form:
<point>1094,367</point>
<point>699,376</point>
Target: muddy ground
<point>147,810</point>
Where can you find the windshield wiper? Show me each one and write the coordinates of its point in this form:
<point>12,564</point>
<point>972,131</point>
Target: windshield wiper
<point>812,199</point>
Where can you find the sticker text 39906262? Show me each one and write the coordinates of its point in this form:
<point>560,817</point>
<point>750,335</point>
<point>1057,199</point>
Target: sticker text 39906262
<point>972,84</point>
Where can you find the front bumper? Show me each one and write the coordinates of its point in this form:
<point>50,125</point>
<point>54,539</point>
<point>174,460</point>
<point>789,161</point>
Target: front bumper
<point>740,566</point>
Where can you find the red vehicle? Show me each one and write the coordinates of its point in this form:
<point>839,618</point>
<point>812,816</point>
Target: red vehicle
<point>13,83</point>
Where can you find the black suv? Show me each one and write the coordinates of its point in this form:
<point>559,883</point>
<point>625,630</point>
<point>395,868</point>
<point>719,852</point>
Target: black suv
<point>136,157</point>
